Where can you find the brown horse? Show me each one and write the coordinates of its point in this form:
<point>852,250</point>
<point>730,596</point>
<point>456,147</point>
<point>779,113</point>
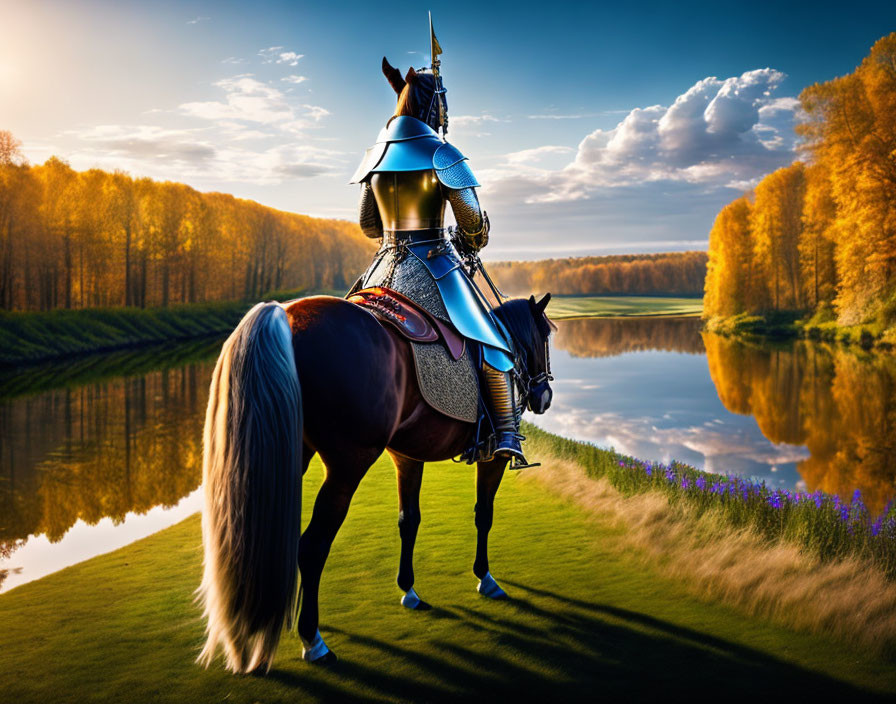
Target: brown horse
<point>322,376</point>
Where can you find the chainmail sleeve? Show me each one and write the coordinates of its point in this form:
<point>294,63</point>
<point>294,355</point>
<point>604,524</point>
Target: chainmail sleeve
<point>369,214</point>
<point>471,219</point>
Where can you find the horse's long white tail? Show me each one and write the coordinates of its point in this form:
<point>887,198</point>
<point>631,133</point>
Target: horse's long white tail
<point>252,480</point>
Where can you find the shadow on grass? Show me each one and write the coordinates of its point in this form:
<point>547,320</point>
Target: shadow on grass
<point>576,650</point>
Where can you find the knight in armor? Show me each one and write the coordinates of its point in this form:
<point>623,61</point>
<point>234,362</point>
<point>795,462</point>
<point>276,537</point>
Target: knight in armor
<point>406,179</point>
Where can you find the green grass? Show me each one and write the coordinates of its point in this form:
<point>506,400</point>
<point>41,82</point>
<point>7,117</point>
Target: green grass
<point>562,307</point>
<point>28,337</point>
<point>587,620</point>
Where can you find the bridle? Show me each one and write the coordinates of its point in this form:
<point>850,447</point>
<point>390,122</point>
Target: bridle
<point>528,384</point>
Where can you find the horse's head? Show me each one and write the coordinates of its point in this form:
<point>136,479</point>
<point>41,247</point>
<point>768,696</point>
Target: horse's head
<point>420,95</point>
<point>531,329</point>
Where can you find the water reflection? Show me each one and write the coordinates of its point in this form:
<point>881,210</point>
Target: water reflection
<point>838,403</point>
<point>805,414</point>
<point>610,337</point>
<point>93,454</point>
<point>101,450</point>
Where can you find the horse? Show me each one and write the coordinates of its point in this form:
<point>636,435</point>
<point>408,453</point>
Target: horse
<point>321,375</point>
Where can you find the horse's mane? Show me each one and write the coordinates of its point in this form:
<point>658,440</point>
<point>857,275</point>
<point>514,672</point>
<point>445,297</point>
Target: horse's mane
<point>516,314</point>
<point>405,106</point>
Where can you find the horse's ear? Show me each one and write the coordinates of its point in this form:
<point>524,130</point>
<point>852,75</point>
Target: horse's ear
<point>543,303</point>
<point>532,301</point>
<point>393,75</point>
<point>411,75</point>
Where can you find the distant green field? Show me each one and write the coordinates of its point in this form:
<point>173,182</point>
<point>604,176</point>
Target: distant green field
<point>587,619</point>
<point>562,307</point>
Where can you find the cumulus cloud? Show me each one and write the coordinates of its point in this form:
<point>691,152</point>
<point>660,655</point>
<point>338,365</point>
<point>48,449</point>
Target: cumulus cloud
<point>294,79</point>
<point>719,133</point>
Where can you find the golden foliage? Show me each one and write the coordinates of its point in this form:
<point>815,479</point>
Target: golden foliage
<point>679,273</point>
<point>77,240</point>
<point>825,233</point>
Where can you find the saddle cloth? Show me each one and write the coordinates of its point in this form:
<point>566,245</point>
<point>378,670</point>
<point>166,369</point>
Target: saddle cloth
<point>443,361</point>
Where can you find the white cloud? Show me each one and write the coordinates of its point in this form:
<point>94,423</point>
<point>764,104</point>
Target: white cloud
<point>149,143</point>
<point>197,20</point>
<point>294,79</point>
<point>248,99</point>
<point>718,134</point>
<point>276,55</point>
<point>197,155</point>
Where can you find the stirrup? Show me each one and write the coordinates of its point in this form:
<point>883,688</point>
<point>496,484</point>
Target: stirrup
<point>517,463</point>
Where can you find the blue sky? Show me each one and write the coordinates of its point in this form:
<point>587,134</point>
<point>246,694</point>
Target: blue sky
<point>594,128</point>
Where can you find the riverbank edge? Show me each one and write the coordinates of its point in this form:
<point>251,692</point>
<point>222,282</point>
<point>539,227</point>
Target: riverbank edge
<point>793,325</point>
<point>32,337</point>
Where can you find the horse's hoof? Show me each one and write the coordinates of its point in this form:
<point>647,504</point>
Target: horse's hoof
<point>489,587</point>
<point>316,652</point>
<point>411,600</point>
<point>328,659</point>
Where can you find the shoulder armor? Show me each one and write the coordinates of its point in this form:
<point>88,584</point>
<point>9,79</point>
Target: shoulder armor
<point>452,168</point>
<point>405,144</point>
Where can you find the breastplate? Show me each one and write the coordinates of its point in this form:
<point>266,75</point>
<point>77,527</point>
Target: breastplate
<point>409,200</point>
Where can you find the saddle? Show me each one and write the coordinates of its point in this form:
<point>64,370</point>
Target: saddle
<point>412,321</point>
<point>446,371</point>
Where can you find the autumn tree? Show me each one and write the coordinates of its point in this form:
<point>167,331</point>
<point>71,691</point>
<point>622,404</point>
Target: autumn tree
<point>729,273</point>
<point>776,224</point>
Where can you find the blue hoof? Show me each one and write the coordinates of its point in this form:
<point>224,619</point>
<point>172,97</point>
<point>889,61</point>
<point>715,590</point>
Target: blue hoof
<point>489,587</point>
<point>411,600</point>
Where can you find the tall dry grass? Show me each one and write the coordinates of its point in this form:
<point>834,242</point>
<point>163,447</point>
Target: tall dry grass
<point>850,598</point>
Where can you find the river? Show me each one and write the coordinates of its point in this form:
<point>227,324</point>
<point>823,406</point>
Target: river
<point>101,451</point>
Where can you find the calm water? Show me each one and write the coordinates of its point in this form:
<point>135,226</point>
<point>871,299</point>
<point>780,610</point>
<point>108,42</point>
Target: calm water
<point>96,454</point>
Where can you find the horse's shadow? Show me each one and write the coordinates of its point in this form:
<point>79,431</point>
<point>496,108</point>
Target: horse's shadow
<point>577,650</point>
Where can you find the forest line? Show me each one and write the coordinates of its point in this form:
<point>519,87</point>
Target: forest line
<point>818,237</point>
<point>88,239</point>
<point>666,273</point>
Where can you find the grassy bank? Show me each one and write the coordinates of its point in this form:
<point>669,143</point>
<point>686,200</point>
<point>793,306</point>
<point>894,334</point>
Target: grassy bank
<point>819,326</point>
<point>34,337</point>
<point>588,615</point>
<point>562,307</point>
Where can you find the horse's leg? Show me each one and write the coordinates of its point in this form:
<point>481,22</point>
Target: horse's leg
<point>344,472</point>
<point>410,475</point>
<point>488,479</point>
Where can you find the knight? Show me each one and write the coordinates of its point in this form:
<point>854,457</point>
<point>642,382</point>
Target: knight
<point>406,180</point>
